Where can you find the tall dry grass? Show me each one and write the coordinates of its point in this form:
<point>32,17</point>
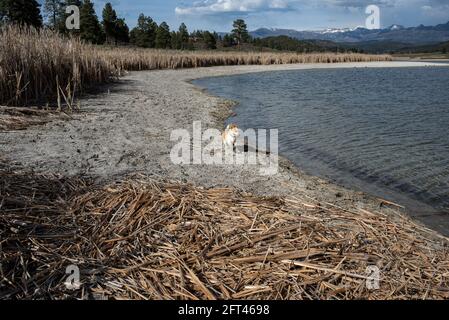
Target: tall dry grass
<point>41,66</point>
<point>147,59</point>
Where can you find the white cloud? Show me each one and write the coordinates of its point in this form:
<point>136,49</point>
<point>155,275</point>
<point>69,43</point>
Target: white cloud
<point>382,3</point>
<point>232,6</point>
<point>223,6</point>
<point>439,12</point>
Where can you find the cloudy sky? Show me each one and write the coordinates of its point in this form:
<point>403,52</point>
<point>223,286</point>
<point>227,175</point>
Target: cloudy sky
<point>295,14</point>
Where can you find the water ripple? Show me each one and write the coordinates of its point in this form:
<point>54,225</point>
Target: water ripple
<point>388,128</point>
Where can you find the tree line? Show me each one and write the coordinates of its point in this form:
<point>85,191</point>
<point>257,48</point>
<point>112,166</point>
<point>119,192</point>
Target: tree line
<point>112,29</point>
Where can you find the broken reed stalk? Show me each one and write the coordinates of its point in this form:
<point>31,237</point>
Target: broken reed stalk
<point>12,118</point>
<point>38,58</point>
<point>142,239</point>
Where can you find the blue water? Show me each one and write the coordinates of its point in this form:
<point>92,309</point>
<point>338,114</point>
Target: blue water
<point>383,131</point>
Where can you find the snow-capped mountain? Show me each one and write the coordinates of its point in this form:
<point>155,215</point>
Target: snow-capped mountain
<point>338,30</point>
<point>395,27</point>
<point>397,33</point>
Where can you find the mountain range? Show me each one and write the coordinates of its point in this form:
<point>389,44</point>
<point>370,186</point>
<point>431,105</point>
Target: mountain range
<point>395,33</point>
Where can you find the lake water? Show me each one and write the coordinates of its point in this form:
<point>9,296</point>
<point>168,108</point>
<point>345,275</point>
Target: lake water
<point>383,131</point>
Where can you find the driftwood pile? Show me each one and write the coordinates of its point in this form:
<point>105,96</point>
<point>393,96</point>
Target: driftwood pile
<point>151,240</point>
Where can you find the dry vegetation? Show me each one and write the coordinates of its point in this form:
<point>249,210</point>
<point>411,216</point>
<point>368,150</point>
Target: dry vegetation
<point>144,59</point>
<point>152,240</point>
<point>42,67</point>
<point>12,118</point>
<point>148,240</point>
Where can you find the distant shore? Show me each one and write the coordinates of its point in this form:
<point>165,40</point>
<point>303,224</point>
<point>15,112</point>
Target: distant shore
<point>126,130</point>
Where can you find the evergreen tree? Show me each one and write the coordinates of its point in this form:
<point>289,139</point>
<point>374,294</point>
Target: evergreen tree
<point>163,36</point>
<point>23,12</point>
<point>53,10</point>
<point>176,42</point>
<point>240,31</point>
<point>144,34</point>
<point>228,41</point>
<point>122,31</point>
<point>110,23</point>
<point>91,30</point>
<point>183,37</point>
<point>210,40</point>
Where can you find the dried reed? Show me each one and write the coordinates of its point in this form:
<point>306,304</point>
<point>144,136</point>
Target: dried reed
<point>135,59</point>
<point>149,240</point>
<point>21,118</point>
<point>35,66</point>
<point>41,66</point>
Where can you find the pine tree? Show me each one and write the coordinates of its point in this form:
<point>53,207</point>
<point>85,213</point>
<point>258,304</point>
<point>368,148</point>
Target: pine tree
<point>4,11</point>
<point>175,40</point>
<point>240,31</point>
<point>183,37</point>
<point>122,31</point>
<point>144,34</point>
<point>110,23</point>
<point>210,40</point>
<point>23,12</point>
<point>228,41</point>
<point>163,36</point>
<point>53,10</point>
<point>91,30</point>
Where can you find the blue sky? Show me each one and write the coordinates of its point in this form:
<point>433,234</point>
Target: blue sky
<point>218,15</point>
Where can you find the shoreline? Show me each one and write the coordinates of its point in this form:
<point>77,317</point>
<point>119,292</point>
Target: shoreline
<point>421,210</point>
<point>418,211</point>
<point>126,131</point>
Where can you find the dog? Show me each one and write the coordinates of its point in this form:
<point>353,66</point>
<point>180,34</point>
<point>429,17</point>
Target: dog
<point>230,135</point>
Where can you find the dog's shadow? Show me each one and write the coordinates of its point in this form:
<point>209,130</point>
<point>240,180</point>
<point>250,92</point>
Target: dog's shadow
<point>246,148</point>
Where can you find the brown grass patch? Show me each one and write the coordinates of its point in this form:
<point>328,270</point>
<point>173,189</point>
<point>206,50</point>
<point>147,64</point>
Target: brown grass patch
<point>147,240</point>
<point>40,67</point>
<point>135,59</point>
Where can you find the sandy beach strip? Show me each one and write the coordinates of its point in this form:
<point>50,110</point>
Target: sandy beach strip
<point>126,129</point>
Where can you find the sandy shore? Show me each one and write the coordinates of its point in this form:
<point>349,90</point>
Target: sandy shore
<point>126,130</point>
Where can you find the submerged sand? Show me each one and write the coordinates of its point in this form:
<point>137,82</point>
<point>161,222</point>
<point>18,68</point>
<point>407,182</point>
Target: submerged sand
<point>126,130</point>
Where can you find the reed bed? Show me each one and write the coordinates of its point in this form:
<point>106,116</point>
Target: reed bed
<point>41,67</point>
<point>135,59</point>
<point>141,239</point>
<point>38,67</point>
